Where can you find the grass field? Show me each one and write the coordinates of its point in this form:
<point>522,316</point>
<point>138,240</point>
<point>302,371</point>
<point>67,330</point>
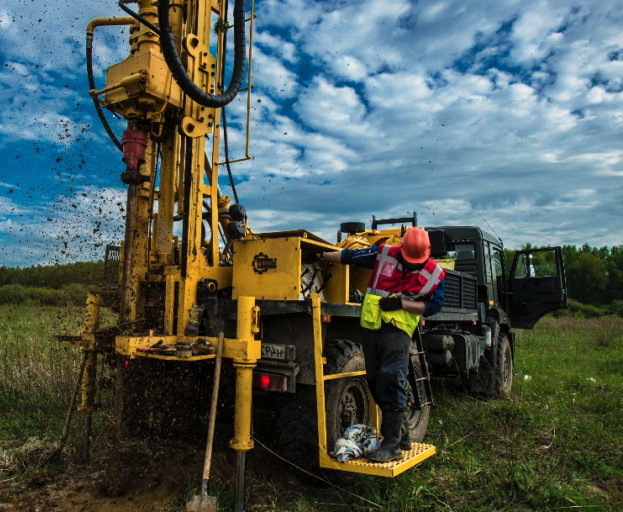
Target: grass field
<point>556,444</point>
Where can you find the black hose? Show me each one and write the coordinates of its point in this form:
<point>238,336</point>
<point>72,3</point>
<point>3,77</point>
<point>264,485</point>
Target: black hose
<point>98,107</point>
<point>232,184</point>
<point>138,17</point>
<point>172,58</point>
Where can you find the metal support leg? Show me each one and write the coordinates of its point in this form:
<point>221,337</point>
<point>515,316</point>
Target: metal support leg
<point>242,441</point>
<point>239,492</point>
<point>89,377</point>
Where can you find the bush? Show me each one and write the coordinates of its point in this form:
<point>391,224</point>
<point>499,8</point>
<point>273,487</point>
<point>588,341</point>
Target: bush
<point>75,294</point>
<point>70,295</point>
<point>616,307</point>
<point>576,309</point>
<point>12,294</point>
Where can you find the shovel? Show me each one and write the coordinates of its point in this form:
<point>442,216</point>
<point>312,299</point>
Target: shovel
<point>202,502</point>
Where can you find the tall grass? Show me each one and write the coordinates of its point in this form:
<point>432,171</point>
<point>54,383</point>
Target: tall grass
<point>36,372</point>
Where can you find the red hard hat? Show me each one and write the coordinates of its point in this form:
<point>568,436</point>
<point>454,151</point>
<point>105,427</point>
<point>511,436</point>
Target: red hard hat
<point>415,246</point>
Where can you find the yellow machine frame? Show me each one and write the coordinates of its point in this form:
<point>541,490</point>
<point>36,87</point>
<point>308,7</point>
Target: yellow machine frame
<point>170,178</point>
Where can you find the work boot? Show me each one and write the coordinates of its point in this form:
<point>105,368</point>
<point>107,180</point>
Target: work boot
<point>405,434</point>
<point>390,429</point>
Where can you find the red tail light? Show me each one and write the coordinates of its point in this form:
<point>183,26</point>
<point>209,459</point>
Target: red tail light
<point>270,382</point>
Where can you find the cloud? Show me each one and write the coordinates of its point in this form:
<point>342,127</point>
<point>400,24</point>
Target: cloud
<point>274,76</point>
<point>69,228</point>
<point>35,106</point>
<point>505,115</point>
<point>282,49</point>
<point>326,108</point>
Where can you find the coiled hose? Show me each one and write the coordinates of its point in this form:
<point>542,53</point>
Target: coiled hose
<point>172,58</point>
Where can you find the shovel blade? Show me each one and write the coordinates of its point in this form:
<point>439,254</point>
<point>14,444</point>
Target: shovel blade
<point>200,503</point>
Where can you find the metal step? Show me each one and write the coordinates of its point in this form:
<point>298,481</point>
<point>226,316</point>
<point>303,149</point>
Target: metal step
<point>417,454</point>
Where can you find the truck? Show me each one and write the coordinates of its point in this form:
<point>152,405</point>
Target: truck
<point>193,284</point>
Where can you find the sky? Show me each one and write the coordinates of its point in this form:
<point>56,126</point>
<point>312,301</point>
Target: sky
<point>504,115</point>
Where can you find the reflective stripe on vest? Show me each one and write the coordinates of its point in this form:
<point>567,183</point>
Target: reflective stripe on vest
<point>387,272</point>
<point>387,269</point>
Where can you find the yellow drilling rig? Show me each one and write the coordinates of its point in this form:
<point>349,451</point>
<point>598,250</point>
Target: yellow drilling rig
<point>191,277</point>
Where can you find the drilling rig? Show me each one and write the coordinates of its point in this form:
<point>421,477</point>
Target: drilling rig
<point>190,273</point>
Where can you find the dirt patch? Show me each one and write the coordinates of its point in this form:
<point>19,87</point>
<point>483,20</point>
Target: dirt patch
<point>151,476</point>
<point>154,476</point>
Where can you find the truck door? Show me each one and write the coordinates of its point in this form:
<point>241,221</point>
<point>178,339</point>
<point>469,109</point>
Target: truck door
<point>536,285</point>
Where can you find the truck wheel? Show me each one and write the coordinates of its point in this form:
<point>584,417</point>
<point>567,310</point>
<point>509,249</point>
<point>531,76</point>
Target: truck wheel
<point>497,381</point>
<point>347,400</point>
<point>503,380</point>
<point>347,403</point>
<point>298,431</point>
<point>417,418</point>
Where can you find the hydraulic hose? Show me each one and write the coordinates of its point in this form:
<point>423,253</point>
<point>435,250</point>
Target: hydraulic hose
<point>232,183</point>
<point>98,107</point>
<point>172,58</point>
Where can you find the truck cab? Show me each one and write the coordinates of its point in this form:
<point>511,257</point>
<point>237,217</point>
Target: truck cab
<point>518,296</point>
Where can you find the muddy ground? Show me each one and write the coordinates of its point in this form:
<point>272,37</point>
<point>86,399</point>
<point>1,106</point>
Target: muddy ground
<point>154,476</point>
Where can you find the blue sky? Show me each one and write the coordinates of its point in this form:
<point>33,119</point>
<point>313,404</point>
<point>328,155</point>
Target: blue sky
<point>507,115</point>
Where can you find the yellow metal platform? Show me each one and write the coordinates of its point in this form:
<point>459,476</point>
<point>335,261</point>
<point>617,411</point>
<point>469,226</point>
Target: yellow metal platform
<point>417,454</point>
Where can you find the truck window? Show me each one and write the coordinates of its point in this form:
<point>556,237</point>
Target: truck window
<point>523,266</point>
<point>538,264</point>
<point>497,263</point>
<point>487,255</point>
<point>465,251</point>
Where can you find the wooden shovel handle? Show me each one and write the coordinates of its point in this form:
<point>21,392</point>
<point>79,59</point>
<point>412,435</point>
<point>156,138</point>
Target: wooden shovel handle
<point>212,419</point>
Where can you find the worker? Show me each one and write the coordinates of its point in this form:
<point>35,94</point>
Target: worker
<point>405,284</point>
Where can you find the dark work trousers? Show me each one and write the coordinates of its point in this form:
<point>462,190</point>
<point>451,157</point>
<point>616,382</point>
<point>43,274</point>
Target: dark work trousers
<point>386,353</point>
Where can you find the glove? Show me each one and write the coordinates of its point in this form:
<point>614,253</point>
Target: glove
<point>390,303</point>
<point>312,257</point>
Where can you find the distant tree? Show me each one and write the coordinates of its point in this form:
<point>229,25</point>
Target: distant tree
<point>587,279</point>
<point>88,273</point>
<point>594,275</point>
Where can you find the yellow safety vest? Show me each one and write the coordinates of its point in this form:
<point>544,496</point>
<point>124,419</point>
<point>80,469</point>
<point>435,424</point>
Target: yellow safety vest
<point>372,316</point>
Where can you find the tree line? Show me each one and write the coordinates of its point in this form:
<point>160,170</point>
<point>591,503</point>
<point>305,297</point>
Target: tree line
<point>55,285</point>
<point>87,273</point>
<point>594,275</point>
<point>594,278</point>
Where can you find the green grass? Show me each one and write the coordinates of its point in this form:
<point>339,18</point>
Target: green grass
<point>556,444</point>
<point>37,373</point>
